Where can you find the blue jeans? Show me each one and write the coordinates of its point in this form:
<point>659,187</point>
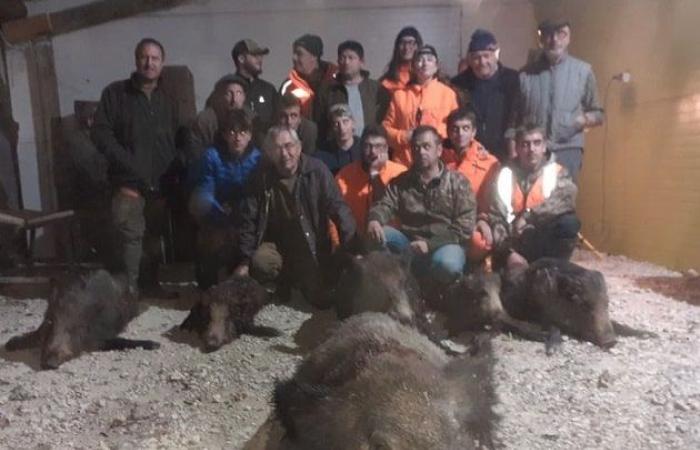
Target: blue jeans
<point>444,264</point>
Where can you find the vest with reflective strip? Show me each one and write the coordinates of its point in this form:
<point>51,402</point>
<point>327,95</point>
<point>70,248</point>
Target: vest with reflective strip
<point>511,195</point>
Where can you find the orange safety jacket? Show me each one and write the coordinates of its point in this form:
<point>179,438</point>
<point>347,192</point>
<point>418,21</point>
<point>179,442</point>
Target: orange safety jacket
<point>301,89</point>
<point>354,183</point>
<point>515,200</point>
<point>479,167</point>
<point>415,105</point>
<point>404,78</point>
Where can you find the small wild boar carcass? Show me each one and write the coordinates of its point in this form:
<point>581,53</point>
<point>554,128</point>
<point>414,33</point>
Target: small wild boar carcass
<point>227,310</point>
<point>559,293</point>
<point>83,314</point>
<point>378,384</point>
<point>474,302</point>
<point>379,281</point>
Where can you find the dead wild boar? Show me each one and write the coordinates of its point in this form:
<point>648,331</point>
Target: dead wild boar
<point>474,301</point>
<point>559,293</point>
<point>378,384</point>
<point>83,314</point>
<point>227,310</point>
<point>379,281</point>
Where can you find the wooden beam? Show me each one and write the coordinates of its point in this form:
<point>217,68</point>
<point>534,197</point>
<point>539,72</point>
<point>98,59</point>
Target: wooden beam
<point>80,17</point>
<point>12,10</point>
<point>43,93</point>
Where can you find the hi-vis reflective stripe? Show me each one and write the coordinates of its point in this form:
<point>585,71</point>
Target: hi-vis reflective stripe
<point>285,85</point>
<point>549,179</point>
<point>300,93</point>
<point>504,186</point>
<point>505,191</point>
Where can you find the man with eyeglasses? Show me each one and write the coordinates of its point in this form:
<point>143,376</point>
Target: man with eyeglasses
<point>435,209</point>
<point>363,183</point>
<point>532,209</point>
<point>220,178</point>
<point>559,92</point>
<point>284,234</point>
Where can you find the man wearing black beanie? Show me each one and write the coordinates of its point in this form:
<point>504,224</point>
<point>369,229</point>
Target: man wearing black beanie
<point>308,73</point>
<point>491,88</point>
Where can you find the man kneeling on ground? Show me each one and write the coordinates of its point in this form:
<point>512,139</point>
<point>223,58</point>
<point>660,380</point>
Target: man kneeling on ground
<point>284,234</point>
<point>436,210</point>
<point>532,209</point>
<point>220,179</point>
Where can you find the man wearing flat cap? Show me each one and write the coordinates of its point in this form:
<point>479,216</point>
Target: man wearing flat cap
<point>559,93</point>
<point>261,96</point>
<point>308,73</point>
<point>491,89</point>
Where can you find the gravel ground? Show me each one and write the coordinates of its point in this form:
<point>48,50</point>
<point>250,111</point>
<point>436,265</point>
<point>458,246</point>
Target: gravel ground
<point>644,393</point>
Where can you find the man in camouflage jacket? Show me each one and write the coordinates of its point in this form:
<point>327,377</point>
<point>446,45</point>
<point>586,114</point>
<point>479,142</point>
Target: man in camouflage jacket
<point>435,209</point>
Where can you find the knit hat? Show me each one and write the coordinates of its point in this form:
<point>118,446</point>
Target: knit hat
<point>426,50</point>
<point>482,40</point>
<point>311,43</point>
<point>409,32</point>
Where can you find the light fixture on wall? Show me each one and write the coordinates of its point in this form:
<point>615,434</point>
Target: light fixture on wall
<point>624,77</point>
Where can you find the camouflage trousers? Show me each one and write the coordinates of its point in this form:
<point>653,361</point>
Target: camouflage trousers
<point>139,224</point>
<point>301,271</point>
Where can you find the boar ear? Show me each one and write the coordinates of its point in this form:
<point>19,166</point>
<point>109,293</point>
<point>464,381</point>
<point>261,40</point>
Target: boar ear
<point>291,397</point>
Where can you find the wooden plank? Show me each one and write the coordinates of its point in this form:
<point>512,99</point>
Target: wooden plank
<point>21,30</point>
<point>80,17</point>
<point>12,219</point>
<point>24,280</point>
<point>12,9</point>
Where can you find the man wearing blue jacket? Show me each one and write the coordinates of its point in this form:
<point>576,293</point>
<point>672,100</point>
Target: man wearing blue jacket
<point>220,178</point>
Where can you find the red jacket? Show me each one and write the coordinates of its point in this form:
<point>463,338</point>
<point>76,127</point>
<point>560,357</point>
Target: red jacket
<point>301,88</point>
<point>435,100</point>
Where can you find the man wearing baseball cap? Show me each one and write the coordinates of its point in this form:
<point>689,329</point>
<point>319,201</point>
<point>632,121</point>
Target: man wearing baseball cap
<point>559,93</point>
<point>308,73</point>
<point>491,89</point>
<point>261,96</point>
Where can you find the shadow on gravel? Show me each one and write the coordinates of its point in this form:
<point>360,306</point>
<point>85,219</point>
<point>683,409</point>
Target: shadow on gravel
<point>685,289</point>
<point>29,357</point>
<point>180,336</point>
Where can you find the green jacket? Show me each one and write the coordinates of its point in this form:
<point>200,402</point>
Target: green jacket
<point>441,212</point>
<point>136,134</point>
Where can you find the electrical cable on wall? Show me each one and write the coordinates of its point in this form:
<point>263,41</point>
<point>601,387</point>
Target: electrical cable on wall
<point>623,77</point>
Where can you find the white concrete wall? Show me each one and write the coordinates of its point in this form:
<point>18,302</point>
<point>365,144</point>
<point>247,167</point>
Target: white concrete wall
<point>201,35</point>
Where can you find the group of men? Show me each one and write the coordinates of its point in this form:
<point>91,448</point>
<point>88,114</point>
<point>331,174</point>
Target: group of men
<point>280,180</point>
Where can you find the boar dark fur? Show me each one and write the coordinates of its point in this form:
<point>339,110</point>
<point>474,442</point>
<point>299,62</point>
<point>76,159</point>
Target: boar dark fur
<point>227,310</point>
<point>376,383</point>
<point>83,314</point>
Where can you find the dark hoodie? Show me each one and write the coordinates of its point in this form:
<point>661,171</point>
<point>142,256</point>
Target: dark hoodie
<point>375,100</point>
